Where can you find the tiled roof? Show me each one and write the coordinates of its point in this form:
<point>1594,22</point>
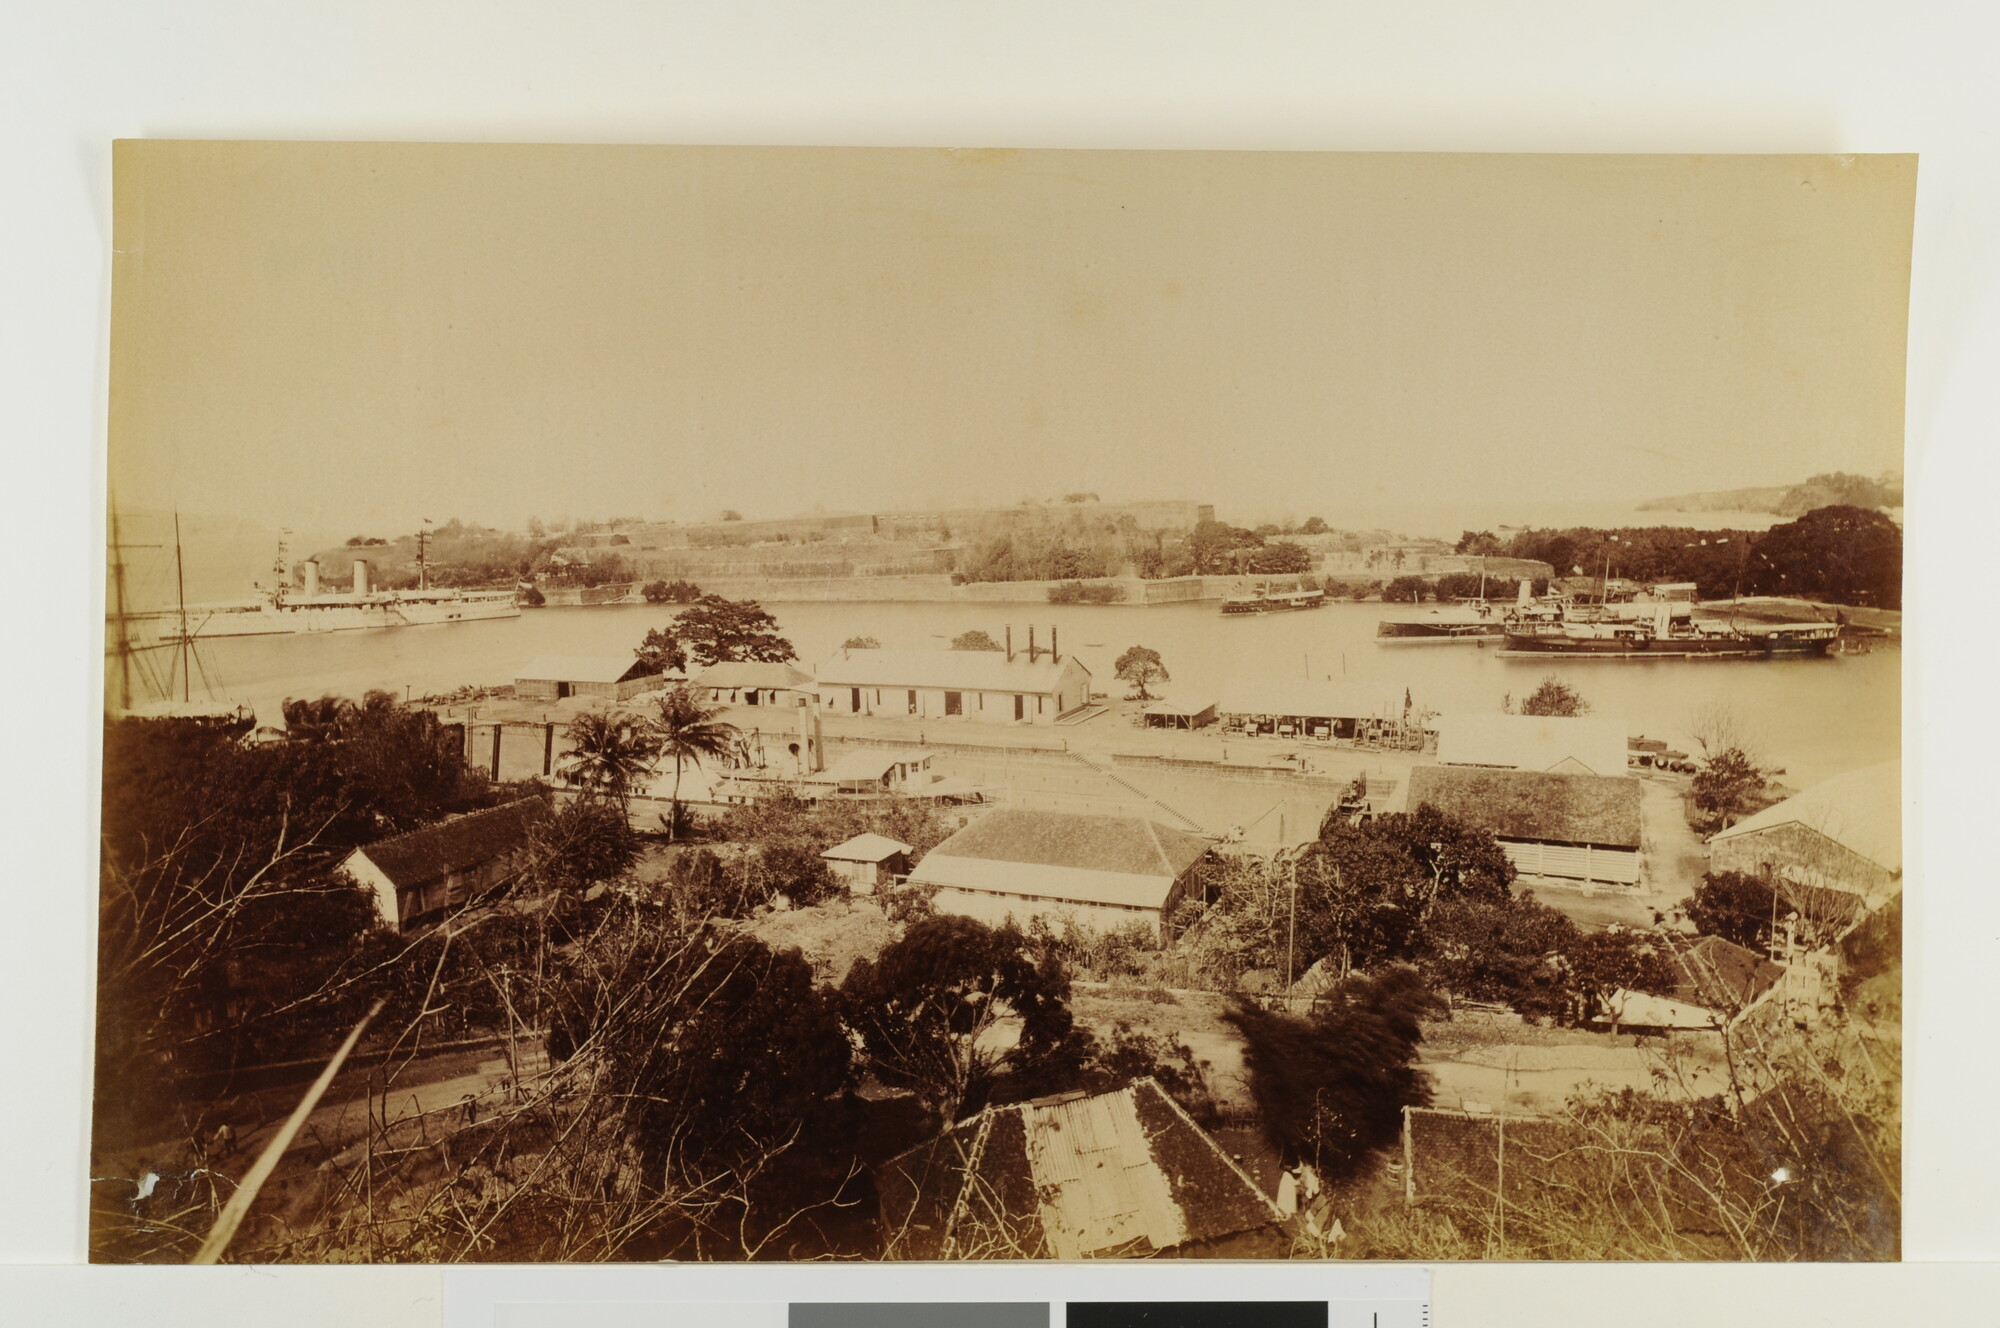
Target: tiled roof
<point>1861,810</point>
<point>1721,975</point>
<point>1125,1172</point>
<point>1534,804</point>
<point>453,845</point>
<point>1127,845</point>
<point>953,670</point>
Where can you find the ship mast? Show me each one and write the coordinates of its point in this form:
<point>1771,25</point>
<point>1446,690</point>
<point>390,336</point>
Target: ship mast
<point>180,593</point>
<point>124,633</point>
<point>423,535</point>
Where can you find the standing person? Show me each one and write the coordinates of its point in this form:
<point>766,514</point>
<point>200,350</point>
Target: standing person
<point>225,1141</point>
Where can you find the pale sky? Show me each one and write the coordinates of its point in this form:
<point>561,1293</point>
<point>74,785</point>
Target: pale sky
<point>365,335</point>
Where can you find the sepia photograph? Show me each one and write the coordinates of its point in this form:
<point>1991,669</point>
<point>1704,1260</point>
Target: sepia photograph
<point>781,704</point>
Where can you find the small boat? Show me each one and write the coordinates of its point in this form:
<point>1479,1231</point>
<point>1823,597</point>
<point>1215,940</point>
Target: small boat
<point>1263,599</point>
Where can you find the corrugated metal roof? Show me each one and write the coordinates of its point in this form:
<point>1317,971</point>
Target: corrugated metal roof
<point>1861,810</point>
<point>953,670</point>
<point>581,668</point>
<point>1119,1172</point>
<point>1595,743</point>
<point>866,848</point>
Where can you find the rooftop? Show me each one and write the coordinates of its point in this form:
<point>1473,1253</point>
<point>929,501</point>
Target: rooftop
<point>870,763</point>
<point>743,675</point>
<point>1721,975</point>
<point>1861,810</point>
<point>454,845</point>
<point>866,848</point>
<point>954,670</point>
<point>1130,845</point>
<point>1587,744</point>
<point>582,668</point>
<point>1125,1172</point>
<point>1534,804</point>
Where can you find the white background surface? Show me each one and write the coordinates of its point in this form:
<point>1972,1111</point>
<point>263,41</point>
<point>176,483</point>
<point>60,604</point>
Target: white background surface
<point>1470,75</point>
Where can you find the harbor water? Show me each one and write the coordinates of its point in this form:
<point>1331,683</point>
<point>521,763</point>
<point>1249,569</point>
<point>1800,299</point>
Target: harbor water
<point>1811,717</point>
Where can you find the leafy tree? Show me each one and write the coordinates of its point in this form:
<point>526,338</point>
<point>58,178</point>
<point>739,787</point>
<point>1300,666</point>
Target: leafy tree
<point>925,1007</point>
<point>609,754</point>
<point>1555,697</point>
<point>1212,546</point>
<point>1141,667</point>
<point>711,1058</point>
<point>731,514</point>
<point>860,643</point>
<point>1406,590</point>
<point>585,843</point>
<point>1365,892</point>
<point>1736,906</point>
<point>975,640</point>
<point>1080,498</point>
<point>1331,1088</point>
<point>686,728</point>
<point>662,651</point>
<point>1479,542</point>
<point>1460,585</point>
<point>671,592</point>
<point>715,630</point>
<point>1849,555</point>
<point>1280,558</point>
<point>1601,962</point>
<point>1726,786</point>
<point>1313,526</point>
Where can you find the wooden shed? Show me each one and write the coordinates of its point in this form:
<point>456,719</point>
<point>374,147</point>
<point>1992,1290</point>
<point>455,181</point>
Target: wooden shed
<point>1560,827</point>
<point>613,677</point>
<point>868,862</point>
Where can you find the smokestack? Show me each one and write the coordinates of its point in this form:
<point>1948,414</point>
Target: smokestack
<point>811,760</point>
<point>312,577</point>
<point>1054,658</point>
<point>1010,643</point>
<point>360,576</point>
<point>1031,643</point>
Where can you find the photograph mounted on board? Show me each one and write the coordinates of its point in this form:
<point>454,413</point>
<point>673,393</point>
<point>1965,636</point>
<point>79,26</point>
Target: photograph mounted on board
<point>779,704</point>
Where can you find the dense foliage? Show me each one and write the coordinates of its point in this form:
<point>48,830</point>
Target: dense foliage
<point>1331,1087</point>
<point>1141,666</point>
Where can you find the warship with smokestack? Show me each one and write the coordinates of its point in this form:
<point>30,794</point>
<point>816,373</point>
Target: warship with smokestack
<point>284,611</point>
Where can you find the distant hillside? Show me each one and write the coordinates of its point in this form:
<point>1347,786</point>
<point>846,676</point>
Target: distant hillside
<point>1837,488</point>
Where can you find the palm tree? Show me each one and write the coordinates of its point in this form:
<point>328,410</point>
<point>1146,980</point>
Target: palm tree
<point>688,730</point>
<point>609,752</point>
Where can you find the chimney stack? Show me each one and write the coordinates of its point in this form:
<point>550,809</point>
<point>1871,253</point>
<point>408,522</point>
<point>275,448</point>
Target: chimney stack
<point>1031,643</point>
<point>1054,658</point>
<point>1010,643</point>
<point>312,577</point>
<point>360,576</point>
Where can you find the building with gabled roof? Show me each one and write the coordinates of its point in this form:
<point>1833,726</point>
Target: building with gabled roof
<point>1844,833</point>
<point>747,683</point>
<point>994,686</point>
<point>1583,828</point>
<point>868,862</point>
<point>1124,1173</point>
<point>1104,872</point>
<point>416,876</point>
<point>1570,745</point>
<point>558,677</point>
<point>1715,981</point>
